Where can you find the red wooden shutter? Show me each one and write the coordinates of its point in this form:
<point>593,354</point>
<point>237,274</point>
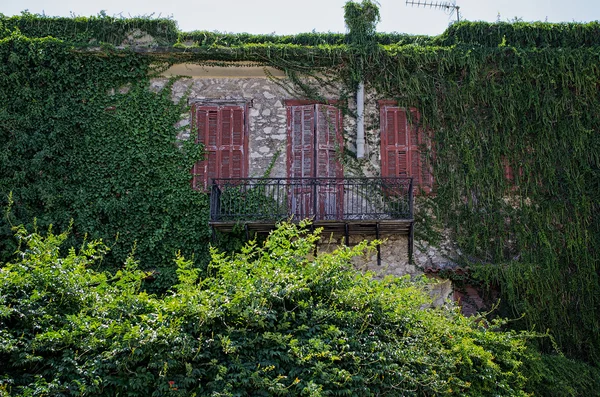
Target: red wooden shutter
<point>421,151</point>
<point>314,141</point>
<point>404,148</point>
<point>301,146</point>
<point>395,145</point>
<point>222,131</point>
<point>204,121</point>
<point>300,159</point>
<point>509,172</point>
<point>231,148</point>
<point>314,134</point>
<point>325,142</point>
<point>329,142</point>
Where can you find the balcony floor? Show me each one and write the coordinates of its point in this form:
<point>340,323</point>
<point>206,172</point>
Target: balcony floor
<point>374,228</point>
<point>351,227</point>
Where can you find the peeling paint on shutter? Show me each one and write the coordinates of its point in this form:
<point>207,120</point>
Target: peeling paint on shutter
<point>222,130</point>
<point>403,152</point>
<point>329,144</point>
<point>395,150</point>
<point>301,145</point>
<point>300,159</point>
<point>314,139</point>
<point>204,122</point>
<point>232,142</point>
<point>509,172</point>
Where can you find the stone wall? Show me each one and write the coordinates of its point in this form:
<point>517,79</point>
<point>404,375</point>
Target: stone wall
<point>394,256</point>
<point>393,252</point>
<point>264,99</point>
<point>267,115</point>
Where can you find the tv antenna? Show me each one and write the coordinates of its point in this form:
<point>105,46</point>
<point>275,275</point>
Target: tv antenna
<point>449,6</point>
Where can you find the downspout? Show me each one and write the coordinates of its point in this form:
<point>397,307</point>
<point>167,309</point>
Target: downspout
<point>360,121</point>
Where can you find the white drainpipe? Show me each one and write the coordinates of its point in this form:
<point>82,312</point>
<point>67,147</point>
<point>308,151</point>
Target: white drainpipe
<point>360,121</point>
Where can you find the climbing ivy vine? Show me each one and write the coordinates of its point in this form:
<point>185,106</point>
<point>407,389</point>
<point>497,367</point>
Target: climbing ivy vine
<point>524,95</point>
<point>536,234</point>
<point>83,139</point>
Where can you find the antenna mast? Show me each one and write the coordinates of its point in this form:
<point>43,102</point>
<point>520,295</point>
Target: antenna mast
<point>449,7</point>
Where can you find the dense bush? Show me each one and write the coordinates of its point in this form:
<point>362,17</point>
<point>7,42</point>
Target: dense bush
<point>522,34</point>
<point>90,31</point>
<point>272,320</point>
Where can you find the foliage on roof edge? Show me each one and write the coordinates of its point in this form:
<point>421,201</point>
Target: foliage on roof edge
<point>103,29</point>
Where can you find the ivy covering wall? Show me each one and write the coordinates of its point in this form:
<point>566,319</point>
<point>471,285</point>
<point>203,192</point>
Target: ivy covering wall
<point>491,95</point>
<point>83,139</point>
<point>535,110</point>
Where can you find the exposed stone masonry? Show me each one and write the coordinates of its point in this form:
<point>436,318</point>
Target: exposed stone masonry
<point>267,124</point>
<point>266,115</point>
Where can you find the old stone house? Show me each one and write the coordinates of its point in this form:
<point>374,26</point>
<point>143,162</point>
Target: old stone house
<point>511,109</point>
<point>272,156</point>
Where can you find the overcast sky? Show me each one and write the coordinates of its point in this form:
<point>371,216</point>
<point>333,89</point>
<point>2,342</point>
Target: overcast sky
<point>288,17</point>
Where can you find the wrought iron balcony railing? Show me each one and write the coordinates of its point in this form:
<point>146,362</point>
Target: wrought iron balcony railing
<point>321,199</point>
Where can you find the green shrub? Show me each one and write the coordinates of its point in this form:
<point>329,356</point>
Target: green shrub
<point>90,31</point>
<point>271,320</point>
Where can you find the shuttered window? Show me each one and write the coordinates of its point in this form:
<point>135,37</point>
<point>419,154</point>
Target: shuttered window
<point>403,148</point>
<point>314,132</point>
<point>313,150</point>
<point>222,130</point>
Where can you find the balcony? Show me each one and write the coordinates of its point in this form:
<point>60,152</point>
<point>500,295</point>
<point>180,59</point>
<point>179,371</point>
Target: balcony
<point>365,206</point>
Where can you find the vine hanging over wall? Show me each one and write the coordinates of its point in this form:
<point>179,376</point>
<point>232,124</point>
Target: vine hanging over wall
<point>84,139</point>
<point>535,233</point>
<point>524,96</point>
